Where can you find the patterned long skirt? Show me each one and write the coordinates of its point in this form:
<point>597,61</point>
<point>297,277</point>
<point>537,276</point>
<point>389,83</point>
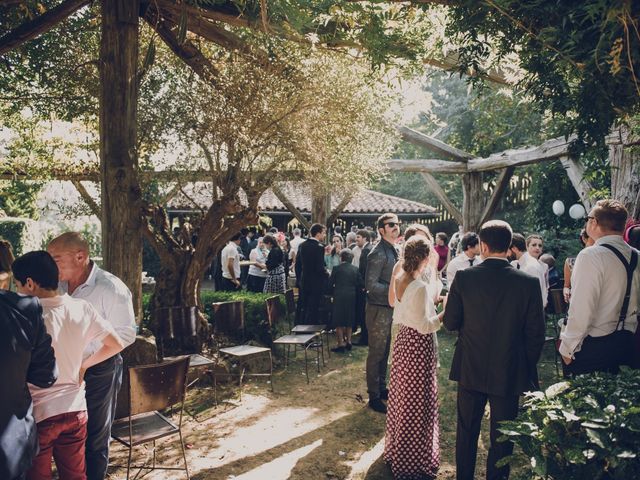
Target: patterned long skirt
<point>276,281</point>
<point>412,443</point>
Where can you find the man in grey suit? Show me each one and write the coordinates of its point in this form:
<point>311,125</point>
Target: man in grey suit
<point>379,313</point>
<point>497,311</point>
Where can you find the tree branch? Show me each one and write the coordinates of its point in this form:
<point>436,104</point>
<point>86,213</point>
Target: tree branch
<point>42,24</point>
<point>290,206</point>
<point>340,208</point>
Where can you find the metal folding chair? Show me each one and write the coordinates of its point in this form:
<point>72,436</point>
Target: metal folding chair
<point>153,388</point>
<point>228,320</point>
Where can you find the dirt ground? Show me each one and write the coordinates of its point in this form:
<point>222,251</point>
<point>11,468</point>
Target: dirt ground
<point>322,430</point>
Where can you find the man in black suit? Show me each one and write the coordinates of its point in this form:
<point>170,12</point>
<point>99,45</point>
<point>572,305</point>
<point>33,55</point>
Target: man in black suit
<point>313,275</point>
<point>26,355</point>
<point>363,240</point>
<point>497,311</point>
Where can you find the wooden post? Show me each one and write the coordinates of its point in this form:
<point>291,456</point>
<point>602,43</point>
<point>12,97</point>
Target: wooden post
<point>472,201</point>
<point>320,205</point>
<point>120,188</point>
<point>625,170</point>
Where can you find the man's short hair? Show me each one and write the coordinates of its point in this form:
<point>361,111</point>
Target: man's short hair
<point>39,266</point>
<point>496,234</point>
<point>442,236</point>
<point>297,232</point>
<point>519,242</point>
<point>316,228</point>
<point>382,219</point>
<point>351,237</point>
<point>469,240</point>
<point>236,237</point>
<point>548,259</point>
<point>611,215</point>
<point>346,255</point>
<point>244,231</point>
<point>70,241</point>
<point>366,234</point>
<point>532,236</point>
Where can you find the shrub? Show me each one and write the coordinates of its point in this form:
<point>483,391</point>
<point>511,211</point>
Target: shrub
<point>586,428</point>
<point>22,233</point>
<point>255,313</point>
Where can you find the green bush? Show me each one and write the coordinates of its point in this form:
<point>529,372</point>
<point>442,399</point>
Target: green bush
<point>255,313</point>
<point>586,428</point>
<point>22,233</point>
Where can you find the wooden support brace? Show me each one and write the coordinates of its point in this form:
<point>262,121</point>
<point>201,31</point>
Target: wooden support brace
<point>291,207</point>
<point>339,209</point>
<point>437,190</point>
<point>501,186</point>
<point>575,172</point>
<point>438,146</point>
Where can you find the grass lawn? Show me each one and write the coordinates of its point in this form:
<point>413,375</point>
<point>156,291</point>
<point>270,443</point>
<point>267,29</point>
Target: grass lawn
<point>318,431</point>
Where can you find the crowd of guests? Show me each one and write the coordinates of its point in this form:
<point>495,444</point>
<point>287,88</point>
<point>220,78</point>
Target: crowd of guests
<point>63,329</point>
<point>68,321</point>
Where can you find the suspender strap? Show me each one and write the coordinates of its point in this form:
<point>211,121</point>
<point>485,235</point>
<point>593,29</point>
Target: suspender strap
<point>629,267</point>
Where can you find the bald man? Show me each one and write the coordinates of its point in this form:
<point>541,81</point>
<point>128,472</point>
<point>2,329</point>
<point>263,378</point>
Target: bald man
<point>80,277</point>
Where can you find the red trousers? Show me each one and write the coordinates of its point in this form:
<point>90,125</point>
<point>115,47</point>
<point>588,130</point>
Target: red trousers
<point>62,436</point>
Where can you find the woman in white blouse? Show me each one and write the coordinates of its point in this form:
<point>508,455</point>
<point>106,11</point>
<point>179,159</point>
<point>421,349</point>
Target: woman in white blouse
<point>412,433</point>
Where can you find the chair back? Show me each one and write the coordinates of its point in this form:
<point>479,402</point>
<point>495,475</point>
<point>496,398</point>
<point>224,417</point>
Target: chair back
<point>157,386</point>
<point>290,300</point>
<point>178,330</point>
<point>558,305</point>
<point>274,310</point>
<point>228,318</point>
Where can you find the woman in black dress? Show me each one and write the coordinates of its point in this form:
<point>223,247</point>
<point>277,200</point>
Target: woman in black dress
<point>345,282</point>
<point>275,282</point>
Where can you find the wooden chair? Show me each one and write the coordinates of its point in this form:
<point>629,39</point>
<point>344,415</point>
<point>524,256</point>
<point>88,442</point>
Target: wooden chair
<point>228,321</point>
<point>153,388</point>
<point>557,308</point>
<point>290,301</point>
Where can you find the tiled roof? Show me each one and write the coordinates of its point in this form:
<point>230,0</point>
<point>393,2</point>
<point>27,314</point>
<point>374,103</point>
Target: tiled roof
<point>298,193</point>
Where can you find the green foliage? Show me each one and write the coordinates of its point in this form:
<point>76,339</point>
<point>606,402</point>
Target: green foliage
<point>18,198</point>
<point>580,58</point>
<point>255,314</point>
<point>22,233</point>
<point>587,428</point>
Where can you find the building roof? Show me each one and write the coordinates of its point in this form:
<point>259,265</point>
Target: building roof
<point>364,202</point>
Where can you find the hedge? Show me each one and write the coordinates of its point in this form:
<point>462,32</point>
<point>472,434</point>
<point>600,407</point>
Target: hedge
<point>255,313</point>
<point>586,428</point>
<point>22,233</point>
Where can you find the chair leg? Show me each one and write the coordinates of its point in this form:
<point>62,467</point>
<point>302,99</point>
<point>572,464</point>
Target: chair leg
<point>129,460</point>
<point>326,333</point>
<point>271,370</point>
<point>318,355</point>
<point>153,459</point>
<point>215,389</point>
<point>184,456</point>
<point>241,375</point>
<point>306,363</point>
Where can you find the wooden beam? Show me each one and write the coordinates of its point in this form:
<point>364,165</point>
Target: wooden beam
<point>575,171</point>
<point>340,208</point>
<point>88,199</point>
<point>39,25</point>
<point>501,186</point>
<point>549,150</point>
<point>472,201</point>
<point>186,50</point>
<point>291,207</point>
<point>451,64</point>
<point>437,146</point>
<point>426,165</point>
<point>434,186</point>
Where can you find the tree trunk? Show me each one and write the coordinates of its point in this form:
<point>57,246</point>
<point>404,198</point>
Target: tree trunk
<point>320,205</point>
<point>624,158</point>
<point>120,188</point>
<point>472,201</point>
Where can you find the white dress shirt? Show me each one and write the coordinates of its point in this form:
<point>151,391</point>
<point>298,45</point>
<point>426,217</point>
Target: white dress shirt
<point>257,255</point>
<point>357,251</point>
<point>598,284</point>
<point>532,266</point>
<point>295,244</point>
<point>73,324</point>
<point>460,262</point>
<point>112,299</point>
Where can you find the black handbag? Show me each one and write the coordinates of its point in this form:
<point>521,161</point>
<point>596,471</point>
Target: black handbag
<point>608,352</point>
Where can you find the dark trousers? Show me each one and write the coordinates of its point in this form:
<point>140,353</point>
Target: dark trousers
<point>255,284</point>
<point>103,382</point>
<point>602,354</point>
<point>470,411</point>
<point>361,305</point>
<point>312,299</point>
<point>228,286</point>
<point>379,320</point>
